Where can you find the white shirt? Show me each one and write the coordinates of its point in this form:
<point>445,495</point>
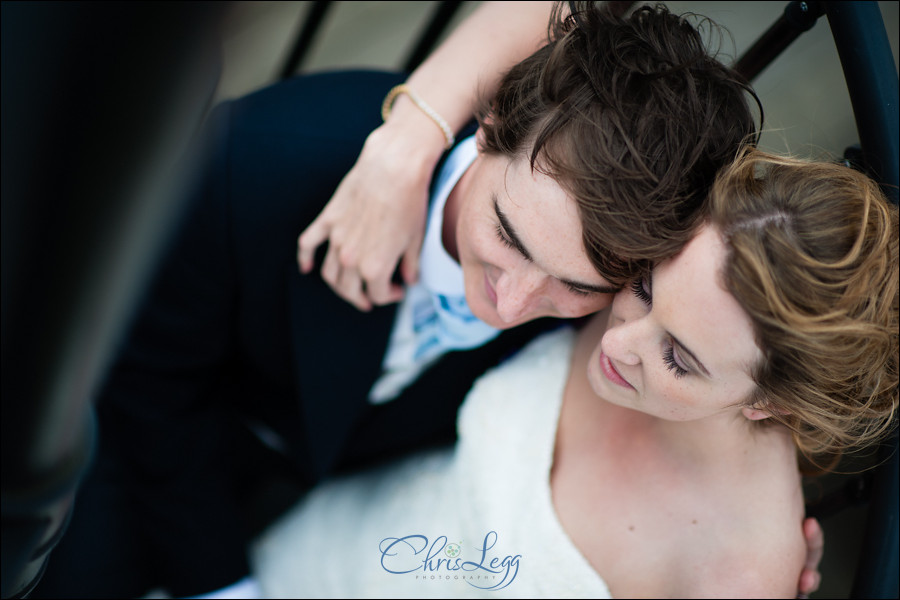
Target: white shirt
<point>433,317</point>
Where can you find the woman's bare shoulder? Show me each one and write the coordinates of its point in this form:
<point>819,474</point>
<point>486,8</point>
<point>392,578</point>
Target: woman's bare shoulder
<point>756,569</point>
<point>758,548</point>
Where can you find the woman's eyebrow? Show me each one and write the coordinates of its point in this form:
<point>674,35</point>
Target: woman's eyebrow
<point>521,249</point>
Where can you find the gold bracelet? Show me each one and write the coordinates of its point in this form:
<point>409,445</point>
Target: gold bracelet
<point>405,89</point>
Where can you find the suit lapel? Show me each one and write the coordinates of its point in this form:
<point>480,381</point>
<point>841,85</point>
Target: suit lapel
<point>337,355</point>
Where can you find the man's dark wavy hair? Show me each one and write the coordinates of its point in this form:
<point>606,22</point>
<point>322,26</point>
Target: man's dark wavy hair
<point>633,117</point>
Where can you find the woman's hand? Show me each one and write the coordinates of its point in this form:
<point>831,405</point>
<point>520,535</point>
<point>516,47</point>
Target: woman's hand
<point>376,217</point>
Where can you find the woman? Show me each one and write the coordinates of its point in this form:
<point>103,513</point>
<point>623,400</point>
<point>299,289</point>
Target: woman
<point>663,460</point>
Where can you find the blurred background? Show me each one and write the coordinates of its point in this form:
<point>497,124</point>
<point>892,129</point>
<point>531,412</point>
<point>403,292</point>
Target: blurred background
<point>807,108</point>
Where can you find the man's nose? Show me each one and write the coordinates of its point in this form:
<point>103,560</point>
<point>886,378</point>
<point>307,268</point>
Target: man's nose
<point>520,292</point>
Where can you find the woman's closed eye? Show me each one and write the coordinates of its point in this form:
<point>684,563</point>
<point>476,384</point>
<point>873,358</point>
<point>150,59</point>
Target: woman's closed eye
<point>641,288</point>
<point>672,361</point>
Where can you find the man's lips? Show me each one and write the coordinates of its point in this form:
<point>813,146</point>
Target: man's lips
<point>610,371</point>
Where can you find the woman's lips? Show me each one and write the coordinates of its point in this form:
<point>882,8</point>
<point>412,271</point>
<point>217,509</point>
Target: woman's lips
<point>491,293</point>
<point>610,371</point>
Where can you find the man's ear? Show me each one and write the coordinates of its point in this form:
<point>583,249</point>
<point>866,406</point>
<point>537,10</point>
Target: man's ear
<point>757,413</point>
<point>479,133</point>
<point>479,137</point>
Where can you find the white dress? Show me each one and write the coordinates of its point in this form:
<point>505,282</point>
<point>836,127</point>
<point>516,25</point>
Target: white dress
<point>474,521</point>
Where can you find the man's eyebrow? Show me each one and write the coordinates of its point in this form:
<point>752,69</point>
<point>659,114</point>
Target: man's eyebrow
<point>691,355</point>
<point>510,232</point>
<point>521,249</point>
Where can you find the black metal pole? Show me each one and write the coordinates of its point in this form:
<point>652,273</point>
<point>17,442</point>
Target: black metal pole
<point>101,106</point>
<point>871,75</point>
<point>311,24</point>
<point>797,18</point>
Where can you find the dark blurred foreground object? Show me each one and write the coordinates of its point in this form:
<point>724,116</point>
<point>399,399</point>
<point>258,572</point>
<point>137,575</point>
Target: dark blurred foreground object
<point>101,106</point>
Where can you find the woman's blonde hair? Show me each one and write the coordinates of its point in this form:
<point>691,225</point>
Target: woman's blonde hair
<point>813,259</point>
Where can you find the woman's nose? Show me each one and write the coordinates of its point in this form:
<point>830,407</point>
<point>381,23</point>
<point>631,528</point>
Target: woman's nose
<point>624,338</point>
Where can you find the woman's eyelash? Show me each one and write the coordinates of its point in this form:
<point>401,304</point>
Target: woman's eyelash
<point>671,363</point>
<point>637,287</point>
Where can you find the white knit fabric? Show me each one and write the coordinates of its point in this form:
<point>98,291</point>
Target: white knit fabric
<point>482,511</point>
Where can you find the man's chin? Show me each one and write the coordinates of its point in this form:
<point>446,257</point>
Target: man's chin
<point>488,317</point>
